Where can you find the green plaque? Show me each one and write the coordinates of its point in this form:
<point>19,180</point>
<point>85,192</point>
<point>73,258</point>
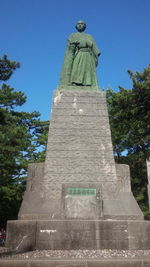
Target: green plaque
<point>81,191</point>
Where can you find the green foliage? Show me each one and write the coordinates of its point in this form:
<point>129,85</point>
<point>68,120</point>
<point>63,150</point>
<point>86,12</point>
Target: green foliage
<point>129,118</point>
<point>21,135</point>
<point>7,68</point>
<point>39,141</point>
<point>9,99</point>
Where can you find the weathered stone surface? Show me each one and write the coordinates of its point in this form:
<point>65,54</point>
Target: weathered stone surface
<point>148,190</point>
<point>79,151</point>
<point>33,198</point>
<point>148,169</point>
<point>122,207</point>
<point>139,234</point>
<point>116,202</point>
<point>75,263</point>
<point>88,234</point>
<point>21,235</point>
<point>146,263</point>
<point>79,156</point>
<point>60,263</point>
<point>148,176</point>
<point>78,206</point>
<point>14,263</point>
<point>78,234</point>
<point>89,109</point>
<point>76,134</point>
<point>90,97</point>
<point>115,264</point>
<point>123,176</point>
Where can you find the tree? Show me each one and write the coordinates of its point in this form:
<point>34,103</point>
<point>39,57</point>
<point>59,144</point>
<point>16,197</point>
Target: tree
<point>129,118</point>
<point>20,137</point>
<point>7,68</point>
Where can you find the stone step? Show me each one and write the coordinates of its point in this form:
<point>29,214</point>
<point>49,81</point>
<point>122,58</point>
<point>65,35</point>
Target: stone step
<point>77,262</point>
<point>78,234</point>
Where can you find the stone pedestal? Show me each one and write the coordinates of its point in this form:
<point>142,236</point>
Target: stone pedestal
<point>25,235</point>
<point>79,158</point>
<point>148,190</point>
<point>79,197</point>
<point>148,176</point>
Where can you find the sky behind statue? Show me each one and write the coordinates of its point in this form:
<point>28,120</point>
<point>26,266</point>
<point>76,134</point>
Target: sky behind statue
<point>34,32</point>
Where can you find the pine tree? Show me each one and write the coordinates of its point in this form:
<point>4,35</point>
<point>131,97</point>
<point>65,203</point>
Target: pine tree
<point>20,139</point>
<point>130,124</point>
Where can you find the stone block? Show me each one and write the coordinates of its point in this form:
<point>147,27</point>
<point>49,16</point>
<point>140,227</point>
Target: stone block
<point>139,234</point>
<point>79,146</point>
<point>88,234</point>
<point>84,120</point>
<point>75,162</point>
<point>33,198</point>
<point>148,190</point>
<point>79,133</point>
<point>57,263</point>
<point>21,235</point>
<point>75,263</point>
<point>13,263</point>
<point>80,109</point>
<point>114,263</point>
<point>81,124</point>
<point>66,235</point>
<point>84,96</point>
<point>77,137</point>
<point>78,234</point>
<point>123,176</point>
<point>113,234</point>
<point>85,234</point>
<point>74,110</point>
<point>122,207</point>
<point>79,154</point>
<point>77,207</point>
<point>85,168</point>
<point>146,263</point>
<point>81,201</point>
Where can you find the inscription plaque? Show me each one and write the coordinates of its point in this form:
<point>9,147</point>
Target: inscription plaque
<point>81,191</point>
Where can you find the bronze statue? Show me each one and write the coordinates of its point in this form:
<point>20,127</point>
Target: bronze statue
<point>80,60</point>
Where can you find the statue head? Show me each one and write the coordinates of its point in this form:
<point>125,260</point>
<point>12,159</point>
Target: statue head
<point>80,26</point>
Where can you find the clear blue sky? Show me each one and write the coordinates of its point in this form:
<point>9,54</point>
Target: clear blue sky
<point>34,32</point>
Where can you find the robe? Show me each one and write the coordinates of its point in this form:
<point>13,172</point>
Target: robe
<point>81,59</point>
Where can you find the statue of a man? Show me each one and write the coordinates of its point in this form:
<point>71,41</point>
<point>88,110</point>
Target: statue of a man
<point>80,60</point>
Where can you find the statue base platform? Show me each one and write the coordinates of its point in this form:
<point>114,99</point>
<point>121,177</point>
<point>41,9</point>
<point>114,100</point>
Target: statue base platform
<point>79,198</point>
<point>77,235</point>
<point>75,262</point>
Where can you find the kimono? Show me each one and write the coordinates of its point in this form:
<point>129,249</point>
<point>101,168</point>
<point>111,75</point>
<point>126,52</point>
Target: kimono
<point>81,59</point>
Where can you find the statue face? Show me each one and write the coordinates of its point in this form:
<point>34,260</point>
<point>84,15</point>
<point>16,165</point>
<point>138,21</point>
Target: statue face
<point>80,26</point>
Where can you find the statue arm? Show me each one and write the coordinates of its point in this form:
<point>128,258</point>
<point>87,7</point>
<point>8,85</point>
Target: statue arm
<point>96,52</point>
